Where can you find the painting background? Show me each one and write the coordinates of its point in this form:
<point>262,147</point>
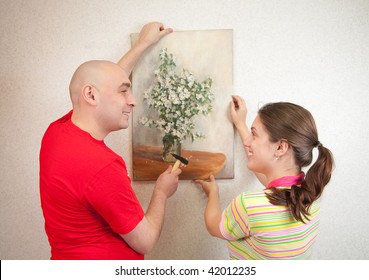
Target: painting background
<point>205,53</point>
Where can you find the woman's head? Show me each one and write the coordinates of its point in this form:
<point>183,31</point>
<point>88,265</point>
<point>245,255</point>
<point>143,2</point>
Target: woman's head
<point>294,124</point>
<point>293,129</point>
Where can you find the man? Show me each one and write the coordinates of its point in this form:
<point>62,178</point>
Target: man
<point>90,209</point>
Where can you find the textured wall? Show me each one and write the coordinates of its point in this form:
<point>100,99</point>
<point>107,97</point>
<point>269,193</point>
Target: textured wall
<point>315,53</point>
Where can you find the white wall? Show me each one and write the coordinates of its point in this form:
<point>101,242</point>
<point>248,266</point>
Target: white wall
<point>315,53</point>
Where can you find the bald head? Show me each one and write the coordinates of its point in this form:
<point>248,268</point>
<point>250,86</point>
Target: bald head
<point>102,98</point>
<point>94,72</point>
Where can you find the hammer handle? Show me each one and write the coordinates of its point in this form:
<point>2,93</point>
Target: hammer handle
<point>176,165</point>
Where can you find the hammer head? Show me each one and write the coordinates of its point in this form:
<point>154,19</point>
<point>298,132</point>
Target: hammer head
<point>181,159</point>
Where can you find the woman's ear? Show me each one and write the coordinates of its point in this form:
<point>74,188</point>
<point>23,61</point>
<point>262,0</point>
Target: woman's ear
<point>89,94</point>
<point>282,148</point>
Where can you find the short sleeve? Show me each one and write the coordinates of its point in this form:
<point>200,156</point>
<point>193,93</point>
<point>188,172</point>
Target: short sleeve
<point>234,224</point>
<point>112,197</point>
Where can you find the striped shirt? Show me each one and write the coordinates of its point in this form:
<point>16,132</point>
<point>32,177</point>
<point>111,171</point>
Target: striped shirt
<point>256,229</point>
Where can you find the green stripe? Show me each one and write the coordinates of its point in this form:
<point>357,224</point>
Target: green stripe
<point>287,241</point>
<point>294,234</point>
<point>241,251</point>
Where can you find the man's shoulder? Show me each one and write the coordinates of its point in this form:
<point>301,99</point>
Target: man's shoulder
<point>69,142</point>
<point>63,119</point>
<point>57,122</point>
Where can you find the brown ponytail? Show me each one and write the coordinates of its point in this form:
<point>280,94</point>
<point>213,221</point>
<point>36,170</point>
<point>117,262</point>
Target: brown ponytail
<point>294,123</point>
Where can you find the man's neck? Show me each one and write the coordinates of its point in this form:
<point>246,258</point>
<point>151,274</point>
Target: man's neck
<point>88,125</point>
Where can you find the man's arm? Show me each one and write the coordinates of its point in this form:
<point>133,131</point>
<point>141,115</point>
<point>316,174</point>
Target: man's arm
<point>150,33</point>
<point>144,236</point>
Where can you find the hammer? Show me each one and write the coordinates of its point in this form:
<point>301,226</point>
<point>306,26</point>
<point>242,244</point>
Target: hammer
<point>179,161</point>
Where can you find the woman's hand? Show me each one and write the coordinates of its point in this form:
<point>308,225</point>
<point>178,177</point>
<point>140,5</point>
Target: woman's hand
<point>212,213</point>
<point>210,186</point>
<point>238,111</point>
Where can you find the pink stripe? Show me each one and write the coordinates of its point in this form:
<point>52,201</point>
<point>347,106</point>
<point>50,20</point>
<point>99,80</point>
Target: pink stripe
<point>269,212</point>
<point>289,238</point>
<point>290,231</point>
<point>235,207</point>
<point>260,206</point>
<point>236,254</point>
<point>290,250</point>
<point>283,239</point>
<point>223,231</point>
<point>259,251</point>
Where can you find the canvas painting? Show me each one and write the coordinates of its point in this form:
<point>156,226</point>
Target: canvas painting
<point>183,86</point>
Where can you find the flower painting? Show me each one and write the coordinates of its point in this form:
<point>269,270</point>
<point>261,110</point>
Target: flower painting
<point>177,98</point>
<point>183,86</point>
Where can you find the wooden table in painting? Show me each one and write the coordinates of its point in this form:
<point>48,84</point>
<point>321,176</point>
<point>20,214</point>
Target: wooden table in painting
<point>148,164</point>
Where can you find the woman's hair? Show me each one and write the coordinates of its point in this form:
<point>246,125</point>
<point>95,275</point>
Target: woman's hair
<point>291,122</point>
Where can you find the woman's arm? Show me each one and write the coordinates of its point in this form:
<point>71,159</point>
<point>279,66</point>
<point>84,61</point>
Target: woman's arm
<point>213,213</point>
<point>238,114</point>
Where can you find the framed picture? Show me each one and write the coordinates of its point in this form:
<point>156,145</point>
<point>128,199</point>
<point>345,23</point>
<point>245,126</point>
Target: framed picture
<point>183,86</point>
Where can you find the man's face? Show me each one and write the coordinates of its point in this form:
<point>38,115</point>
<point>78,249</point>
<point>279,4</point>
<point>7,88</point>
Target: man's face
<point>116,101</point>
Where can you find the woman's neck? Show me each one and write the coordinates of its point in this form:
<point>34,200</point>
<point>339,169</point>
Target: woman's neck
<point>282,172</point>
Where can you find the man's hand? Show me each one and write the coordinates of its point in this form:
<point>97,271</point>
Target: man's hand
<point>146,234</point>
<point>167,183</point>
<point>151,33</point>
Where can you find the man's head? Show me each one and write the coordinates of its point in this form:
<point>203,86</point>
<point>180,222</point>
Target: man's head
<point>102,98</point>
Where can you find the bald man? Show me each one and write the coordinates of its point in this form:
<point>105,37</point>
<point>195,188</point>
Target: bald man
<point>90,209</point>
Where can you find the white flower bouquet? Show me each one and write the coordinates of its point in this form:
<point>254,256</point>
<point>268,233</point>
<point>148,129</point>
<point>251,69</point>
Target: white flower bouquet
<point>177,99</point>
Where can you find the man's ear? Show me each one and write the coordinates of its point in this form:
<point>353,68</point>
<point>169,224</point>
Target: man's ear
<point>89,94</point>
<point>282,148</point>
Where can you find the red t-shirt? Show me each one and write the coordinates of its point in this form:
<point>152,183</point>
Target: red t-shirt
<point>86,196</point>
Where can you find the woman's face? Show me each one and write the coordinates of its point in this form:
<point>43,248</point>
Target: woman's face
<point>260,151</point>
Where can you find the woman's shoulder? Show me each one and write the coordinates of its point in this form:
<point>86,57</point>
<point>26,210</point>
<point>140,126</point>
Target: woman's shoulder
<point>251,198</point>
<point>256,200</point>
<point>253,195</point>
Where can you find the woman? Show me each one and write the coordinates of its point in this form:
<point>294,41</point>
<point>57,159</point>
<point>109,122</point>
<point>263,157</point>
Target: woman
<point>281,221</point>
